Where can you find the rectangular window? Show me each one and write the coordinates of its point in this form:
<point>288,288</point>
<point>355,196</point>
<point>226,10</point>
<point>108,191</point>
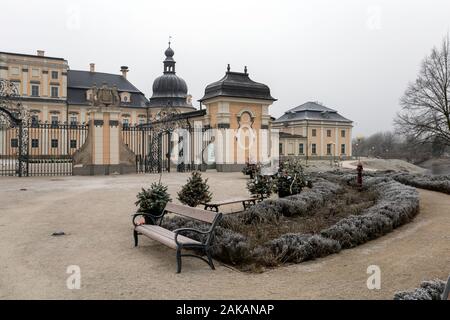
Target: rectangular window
<point>35,90</point>
<point>314,132</point>
<point>55,92</point>
<point>329,149</point>
<point>35,72</point>
<point>34,120</point>
<point>54,120</point>
<point>125,122</point>
<point>328,133</point>
<point>342,148</point>
<point>14,143</point>
<point>34,143</point>
<point>55,75</point>
<point>73,144</point>
<point>73,120</point>
<point>141,121</point>
<point>300,149</point>
<point>280,148</point>
<point>54,143</point>
<point>313,148</point>
<point>343,133</point>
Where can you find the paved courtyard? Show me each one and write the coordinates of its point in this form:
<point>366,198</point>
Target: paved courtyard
<point>94,212</point>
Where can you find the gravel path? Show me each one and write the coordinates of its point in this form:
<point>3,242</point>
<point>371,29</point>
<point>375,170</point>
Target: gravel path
<point>94,212</point>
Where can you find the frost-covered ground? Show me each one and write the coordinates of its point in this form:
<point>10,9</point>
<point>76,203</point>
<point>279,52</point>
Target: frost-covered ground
<point>95,214</point>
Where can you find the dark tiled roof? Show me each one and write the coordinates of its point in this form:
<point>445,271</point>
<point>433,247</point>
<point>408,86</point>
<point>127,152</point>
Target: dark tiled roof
<point>79,81</point>
<point>237,85</point>
<point>312,111</point>
<point>86,80</point>
<point>78,97</point>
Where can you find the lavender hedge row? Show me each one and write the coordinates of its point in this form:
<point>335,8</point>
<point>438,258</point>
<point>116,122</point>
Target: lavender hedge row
<point>439,183</point>
<point>428,290</point>
<point>397,204</point>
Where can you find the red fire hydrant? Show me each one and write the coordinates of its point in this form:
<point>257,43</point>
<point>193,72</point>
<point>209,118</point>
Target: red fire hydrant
<point>359,169</point>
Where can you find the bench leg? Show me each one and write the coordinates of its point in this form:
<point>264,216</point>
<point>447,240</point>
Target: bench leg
<point>210,261</point>
<point>178,260</point>
<point>135,235</point>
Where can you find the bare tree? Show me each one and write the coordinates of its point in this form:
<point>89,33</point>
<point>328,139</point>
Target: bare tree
<point>425,105</point>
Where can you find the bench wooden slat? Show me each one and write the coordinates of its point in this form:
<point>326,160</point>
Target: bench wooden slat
<point>194,213</point>
<point>164,236</point>
<point>230,201</point>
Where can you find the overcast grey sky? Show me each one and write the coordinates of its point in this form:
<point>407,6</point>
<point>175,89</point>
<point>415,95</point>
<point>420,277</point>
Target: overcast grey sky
<point>355,56</point>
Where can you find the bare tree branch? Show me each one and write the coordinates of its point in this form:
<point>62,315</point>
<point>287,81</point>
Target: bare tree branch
<point>425,113</point>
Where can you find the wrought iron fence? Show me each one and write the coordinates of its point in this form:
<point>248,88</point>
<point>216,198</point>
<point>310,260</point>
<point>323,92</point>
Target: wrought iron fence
<point>40,149</point>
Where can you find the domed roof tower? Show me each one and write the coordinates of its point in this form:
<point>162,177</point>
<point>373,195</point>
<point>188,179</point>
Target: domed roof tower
<point>169,89</point>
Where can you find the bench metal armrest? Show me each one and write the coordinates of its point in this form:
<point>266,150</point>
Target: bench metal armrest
<point>153,217</point>
<point>181,230</point>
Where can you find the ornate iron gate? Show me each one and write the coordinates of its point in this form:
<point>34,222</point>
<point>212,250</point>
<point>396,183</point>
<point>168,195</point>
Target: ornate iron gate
<point>30,148</point>
<point>155,144</point>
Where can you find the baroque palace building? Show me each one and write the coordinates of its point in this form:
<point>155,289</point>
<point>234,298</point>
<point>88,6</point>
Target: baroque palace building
<point>55,94</point>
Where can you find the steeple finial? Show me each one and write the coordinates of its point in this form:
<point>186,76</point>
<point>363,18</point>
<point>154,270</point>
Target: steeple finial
<point>228,68</point>
<point>170,40</point>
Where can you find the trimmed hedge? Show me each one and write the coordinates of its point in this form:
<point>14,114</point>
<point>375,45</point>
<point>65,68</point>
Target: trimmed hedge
<point>302,204</point>
<point>439,183</point>
<point>428,290</point>
<point>396,205</point>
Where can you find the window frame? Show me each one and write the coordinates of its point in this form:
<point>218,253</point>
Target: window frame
<point>14,143</point>
<point>33,144</point>
<point>57,91</point>
<point>343,148</point>
<point>54,145</point>
<point>313,148</point>
<point>330,151</point>
<point>34,86</point>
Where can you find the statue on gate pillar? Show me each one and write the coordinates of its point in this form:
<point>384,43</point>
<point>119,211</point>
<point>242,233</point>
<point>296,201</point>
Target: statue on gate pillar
<point>105,96</point>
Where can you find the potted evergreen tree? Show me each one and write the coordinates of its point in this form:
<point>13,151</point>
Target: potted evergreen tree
<point>152,200</point>
<point>195,191</point>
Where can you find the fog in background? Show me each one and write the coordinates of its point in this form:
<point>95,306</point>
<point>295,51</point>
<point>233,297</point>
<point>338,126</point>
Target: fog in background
<point>355,56</point>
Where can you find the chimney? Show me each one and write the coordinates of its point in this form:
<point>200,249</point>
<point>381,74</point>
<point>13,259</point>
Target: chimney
<point>124,70</point>
<point>40,53</point>
<point>92,67</point>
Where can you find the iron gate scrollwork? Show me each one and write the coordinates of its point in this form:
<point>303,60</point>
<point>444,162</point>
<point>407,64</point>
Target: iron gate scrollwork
<point>153,143</point>
<point>32,148</point>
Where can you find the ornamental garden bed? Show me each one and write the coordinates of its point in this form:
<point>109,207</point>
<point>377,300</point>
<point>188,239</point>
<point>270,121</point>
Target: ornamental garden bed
<point>322,220</point>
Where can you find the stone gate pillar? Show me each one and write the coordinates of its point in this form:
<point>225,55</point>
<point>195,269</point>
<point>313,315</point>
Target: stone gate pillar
<point>104,151</point>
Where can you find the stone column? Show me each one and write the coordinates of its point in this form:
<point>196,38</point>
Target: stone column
<point>104,152</point>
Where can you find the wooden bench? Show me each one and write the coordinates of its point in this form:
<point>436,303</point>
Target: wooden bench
<point>175,239</point>
<point>214,206</point>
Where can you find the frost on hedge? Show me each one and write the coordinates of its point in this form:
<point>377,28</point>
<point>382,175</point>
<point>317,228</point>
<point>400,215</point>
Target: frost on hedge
<point>302,204</point>
<point>228,246</point>
<point>297,248</point>
<point>440,183</point>
<point>396,205</point>
<point>428,290</point>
